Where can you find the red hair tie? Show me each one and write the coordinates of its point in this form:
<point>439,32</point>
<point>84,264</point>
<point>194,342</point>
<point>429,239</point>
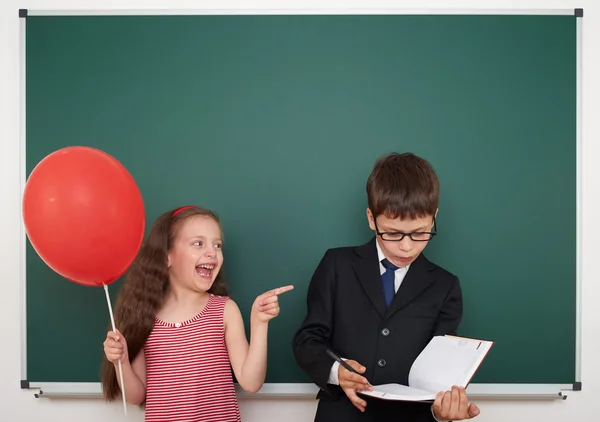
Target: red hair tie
<point>178,210</point>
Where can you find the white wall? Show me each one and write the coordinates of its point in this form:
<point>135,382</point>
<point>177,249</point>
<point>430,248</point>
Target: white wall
<point>21,406</point>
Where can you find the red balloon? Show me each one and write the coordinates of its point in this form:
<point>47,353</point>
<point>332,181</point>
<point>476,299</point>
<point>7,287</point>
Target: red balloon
<point>84,215</point>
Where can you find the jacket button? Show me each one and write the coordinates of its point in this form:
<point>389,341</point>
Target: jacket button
<point>381,362</point>
<point>385,332</point>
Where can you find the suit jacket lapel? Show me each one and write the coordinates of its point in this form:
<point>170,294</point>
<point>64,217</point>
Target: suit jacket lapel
<point>416,281</point>
<point>366,266</point>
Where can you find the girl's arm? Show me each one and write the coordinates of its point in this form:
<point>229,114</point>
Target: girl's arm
<point>249,361</point>
<point>134,377</point>
<point>134,374</point>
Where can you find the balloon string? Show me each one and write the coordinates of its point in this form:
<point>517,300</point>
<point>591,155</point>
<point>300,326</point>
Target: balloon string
<point>112,321</point>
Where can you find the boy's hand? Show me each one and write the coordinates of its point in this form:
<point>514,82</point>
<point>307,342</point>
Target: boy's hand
<point>454,405</point>
<point>351,383</point>
<point>266,306</point>
<point>115,347</point>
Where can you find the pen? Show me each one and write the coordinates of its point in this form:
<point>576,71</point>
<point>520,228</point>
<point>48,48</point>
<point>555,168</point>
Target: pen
<point>344,364</point>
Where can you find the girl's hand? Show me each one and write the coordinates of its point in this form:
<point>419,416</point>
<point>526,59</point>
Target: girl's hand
<point>115,347</point>
<point>266,306</point>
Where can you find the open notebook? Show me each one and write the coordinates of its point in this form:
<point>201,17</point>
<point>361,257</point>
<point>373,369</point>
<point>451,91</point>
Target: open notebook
<point>446,361</point>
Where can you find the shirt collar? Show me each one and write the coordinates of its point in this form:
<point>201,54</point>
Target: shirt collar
<point>381,256</point>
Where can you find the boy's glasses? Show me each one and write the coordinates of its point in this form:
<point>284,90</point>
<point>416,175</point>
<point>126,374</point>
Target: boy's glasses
<point>415,236</point>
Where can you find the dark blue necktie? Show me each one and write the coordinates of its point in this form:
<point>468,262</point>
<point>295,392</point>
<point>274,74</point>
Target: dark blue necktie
<point>388,281</point>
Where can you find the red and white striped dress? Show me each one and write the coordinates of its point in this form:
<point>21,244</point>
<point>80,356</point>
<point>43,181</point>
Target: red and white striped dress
<point>188,374</point>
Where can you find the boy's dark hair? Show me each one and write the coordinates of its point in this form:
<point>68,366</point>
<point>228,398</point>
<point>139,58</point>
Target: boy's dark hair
<point>401,186</point>
<point>144,291</point>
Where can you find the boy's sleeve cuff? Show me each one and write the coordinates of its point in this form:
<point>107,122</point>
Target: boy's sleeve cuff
<point>333,374</point>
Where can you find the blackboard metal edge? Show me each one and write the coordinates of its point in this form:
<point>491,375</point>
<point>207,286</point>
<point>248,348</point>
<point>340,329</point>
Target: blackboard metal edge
<point>519,392</point>
<point>546,392</point>
<point>23,13</point>
<point>300,11</point>
<point>474,391</point>
<point>579,193</point>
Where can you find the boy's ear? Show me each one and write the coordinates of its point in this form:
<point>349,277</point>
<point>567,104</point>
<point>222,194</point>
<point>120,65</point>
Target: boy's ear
<point>168,260</point>
<point>370,219</point>
<point>436,211</point>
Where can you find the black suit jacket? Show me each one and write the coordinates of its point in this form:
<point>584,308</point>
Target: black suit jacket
<point>347,313</point>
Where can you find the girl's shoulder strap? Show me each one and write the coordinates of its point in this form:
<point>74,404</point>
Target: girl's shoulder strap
<point>218,301</point>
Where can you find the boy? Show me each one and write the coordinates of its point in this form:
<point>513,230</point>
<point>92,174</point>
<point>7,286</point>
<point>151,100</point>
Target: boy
<point>379,304</point>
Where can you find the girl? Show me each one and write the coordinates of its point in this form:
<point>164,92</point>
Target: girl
<point>180,335</point>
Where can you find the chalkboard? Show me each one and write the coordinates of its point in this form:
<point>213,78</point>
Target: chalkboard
<point>274,122</point>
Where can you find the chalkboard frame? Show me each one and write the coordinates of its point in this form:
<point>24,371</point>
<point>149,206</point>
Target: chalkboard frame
<point>285,390</point>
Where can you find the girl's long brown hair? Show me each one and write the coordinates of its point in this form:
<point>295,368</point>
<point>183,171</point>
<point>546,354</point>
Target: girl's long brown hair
<point>143,293</point>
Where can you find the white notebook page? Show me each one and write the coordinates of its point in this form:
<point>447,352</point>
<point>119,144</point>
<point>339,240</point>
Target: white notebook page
<point>399,392</point>
<point>445,362</point>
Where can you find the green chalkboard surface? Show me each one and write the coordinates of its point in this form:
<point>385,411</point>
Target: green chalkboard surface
<point>274,122</point>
